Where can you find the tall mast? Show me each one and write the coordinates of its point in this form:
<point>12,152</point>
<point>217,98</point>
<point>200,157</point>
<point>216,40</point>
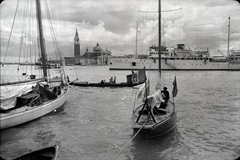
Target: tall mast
<point>159,37</point>
<point>228,36</point>
<point>136,39</point>
<point>41,39</point>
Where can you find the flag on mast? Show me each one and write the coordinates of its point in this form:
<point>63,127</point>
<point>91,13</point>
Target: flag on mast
<point>175,90</point>
<point>144,90</point>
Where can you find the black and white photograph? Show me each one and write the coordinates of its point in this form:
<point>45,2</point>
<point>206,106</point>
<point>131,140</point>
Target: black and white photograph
<point>120,80</point>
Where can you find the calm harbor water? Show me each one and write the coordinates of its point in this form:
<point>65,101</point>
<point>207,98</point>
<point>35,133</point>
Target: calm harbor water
<point>94,123</point>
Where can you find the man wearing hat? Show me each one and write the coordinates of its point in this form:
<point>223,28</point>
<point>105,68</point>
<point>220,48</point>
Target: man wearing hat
<point>165,94</point>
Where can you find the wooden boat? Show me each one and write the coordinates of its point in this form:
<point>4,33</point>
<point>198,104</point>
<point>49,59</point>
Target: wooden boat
<point>133,79</point>
<point>154,122</point>
<point>86,84</point>
<point>156,116</point>
<point>25,101</point>
<point>26,113</point>
<point>49,153</point>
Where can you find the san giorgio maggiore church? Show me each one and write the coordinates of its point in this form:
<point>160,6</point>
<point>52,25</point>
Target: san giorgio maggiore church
<point>96,57</point>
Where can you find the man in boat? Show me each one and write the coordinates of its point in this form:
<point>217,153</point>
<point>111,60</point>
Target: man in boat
<point>111,80</point>
<point>165,94</point>
<point>103,82</point>
<point>114,80</point>
<point>68,80</point>
<point>165,97</point>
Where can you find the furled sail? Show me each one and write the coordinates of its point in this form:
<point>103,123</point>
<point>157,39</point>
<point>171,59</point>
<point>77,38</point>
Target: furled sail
<point>10,93</point>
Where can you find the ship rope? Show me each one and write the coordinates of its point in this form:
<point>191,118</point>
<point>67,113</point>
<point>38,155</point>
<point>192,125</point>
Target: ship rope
<point>21,40</point>
<point>58,53</point>
<point>11,33</point>
<point>131,139</point>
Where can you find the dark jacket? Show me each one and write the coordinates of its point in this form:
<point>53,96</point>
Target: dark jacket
<point>166,95</point>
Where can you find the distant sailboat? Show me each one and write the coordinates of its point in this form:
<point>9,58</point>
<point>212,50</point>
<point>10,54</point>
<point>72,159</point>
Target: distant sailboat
<point>157,115</point>
<point>24,101</point>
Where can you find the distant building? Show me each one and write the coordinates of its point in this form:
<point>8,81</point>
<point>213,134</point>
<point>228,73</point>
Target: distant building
<point>69,61</point>
<point>96,57</point>
<point>76,45</point>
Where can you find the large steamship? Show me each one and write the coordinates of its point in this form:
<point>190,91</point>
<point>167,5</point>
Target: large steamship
<point>178,59</point>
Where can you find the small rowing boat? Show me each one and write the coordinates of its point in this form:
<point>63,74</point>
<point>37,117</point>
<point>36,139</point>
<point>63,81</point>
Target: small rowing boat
<point>48,153</point>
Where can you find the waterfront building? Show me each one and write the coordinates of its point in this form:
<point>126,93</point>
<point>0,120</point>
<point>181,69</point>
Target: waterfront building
<point>97,56</point>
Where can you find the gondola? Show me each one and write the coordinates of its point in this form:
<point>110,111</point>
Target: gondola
<point>86,84</point>
<point>133,79</point>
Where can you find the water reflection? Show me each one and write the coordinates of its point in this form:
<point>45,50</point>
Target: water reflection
<point>154,148</point>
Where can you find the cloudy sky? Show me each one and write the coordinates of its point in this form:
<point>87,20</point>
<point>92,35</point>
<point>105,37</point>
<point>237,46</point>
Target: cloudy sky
<point>112,23</point>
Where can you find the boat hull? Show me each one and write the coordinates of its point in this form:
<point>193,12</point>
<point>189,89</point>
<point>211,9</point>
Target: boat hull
<point>49,153</point>
<point>158,129</point>
<point>103,85</point>
<point>164,120</point>
<point>28,113</point>
<point>175,64</point>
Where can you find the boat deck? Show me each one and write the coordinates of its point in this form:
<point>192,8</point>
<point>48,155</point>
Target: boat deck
<point>26,108</point>
<point>160,115</point>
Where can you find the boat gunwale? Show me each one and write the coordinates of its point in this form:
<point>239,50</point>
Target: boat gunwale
<point>20,82</point>
<point>41,151</point>
<point>154,124</point>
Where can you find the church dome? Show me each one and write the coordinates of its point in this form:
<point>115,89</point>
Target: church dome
<point>97,48</point>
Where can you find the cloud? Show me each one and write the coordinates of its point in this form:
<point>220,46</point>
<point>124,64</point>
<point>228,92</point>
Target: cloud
<point>173,31</point>
<point>112,23</point>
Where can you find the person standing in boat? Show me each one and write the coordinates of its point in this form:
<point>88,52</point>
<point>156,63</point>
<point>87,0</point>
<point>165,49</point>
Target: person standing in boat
<point>111,80</point>
<point>114,80</point>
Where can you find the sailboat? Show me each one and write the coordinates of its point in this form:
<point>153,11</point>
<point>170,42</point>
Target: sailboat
<point>156,115</point>
<point>24,101</point>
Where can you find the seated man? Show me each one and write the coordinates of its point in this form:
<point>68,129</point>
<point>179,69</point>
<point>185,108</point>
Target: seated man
<point>165,94</point>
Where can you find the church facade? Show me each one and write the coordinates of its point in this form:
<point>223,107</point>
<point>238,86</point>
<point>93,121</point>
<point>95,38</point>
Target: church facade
<point>97,56</point>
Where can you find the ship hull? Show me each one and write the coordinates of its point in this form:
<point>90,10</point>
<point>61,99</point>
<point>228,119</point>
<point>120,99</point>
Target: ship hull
<point>168,64</point>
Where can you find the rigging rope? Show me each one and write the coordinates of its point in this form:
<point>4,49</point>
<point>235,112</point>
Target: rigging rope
<point>31,38</point>
<point>131,139</point>
<point>58,54</point>
<point>11,33</point>
<point>53,32</point>
<point>6,15</point>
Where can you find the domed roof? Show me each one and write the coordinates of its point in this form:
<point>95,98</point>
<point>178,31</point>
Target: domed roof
<point>97,48</point>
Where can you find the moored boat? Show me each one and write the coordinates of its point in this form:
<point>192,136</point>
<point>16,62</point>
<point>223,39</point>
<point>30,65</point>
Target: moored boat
<point>133,79</point>
<point>30,106</point>
<point>48,153</point>
<point>24,101</point>
<point>179,58</point>
<point>156,115</point>
<point>155,122</point>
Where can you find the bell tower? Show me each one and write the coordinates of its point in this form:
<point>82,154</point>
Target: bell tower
<point>76,45</point>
